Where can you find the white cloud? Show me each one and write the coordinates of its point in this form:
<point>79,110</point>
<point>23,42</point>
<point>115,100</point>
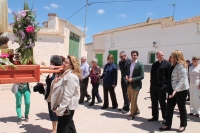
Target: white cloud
<point>81,28</point>
<point>46,7</point>
<point>122,15</point>
<point>149,13</point>
<point>101,11</point>
<point>9,10</point>
<point>54,5</point>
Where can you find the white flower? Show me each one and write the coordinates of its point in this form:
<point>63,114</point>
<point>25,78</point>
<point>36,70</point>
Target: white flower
<point>5,34</point>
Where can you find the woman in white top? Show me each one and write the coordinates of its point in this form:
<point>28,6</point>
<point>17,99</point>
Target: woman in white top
<point>194,72</point>
<point>64,95</point>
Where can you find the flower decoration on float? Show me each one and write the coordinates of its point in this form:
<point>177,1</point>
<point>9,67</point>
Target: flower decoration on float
<point>25,29</point>
<point>5,61</point>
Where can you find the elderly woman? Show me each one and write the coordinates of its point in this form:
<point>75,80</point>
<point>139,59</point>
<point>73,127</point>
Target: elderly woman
<point>95,79</point>
<point>22,89</point>
<point>55,60</point>
<point>177,90</point>
<point>64,95</point>
<point>109,77</point>
<point>194,72</point>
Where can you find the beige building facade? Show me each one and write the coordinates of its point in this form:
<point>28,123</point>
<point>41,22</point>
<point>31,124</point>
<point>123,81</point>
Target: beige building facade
<point>58,37</point>
<point>148,37</point>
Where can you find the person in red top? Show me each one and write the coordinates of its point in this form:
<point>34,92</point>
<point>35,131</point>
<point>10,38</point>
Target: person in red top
<point>95,80</point>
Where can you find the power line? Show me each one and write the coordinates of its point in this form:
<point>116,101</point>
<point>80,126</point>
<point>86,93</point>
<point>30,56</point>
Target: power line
<point>89,4</point>
<point>117,1</point>
<point>77,12</point>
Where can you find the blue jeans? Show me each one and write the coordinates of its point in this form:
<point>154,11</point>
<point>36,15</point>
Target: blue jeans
<point>95,92</point>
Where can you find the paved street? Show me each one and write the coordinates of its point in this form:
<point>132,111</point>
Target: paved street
<point>88,119</point>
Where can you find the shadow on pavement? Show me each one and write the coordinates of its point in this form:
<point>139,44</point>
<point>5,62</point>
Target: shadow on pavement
<point>98,107</point>
<point>114,115</point>
<point>8,119</point>
<point>151,127</point>
<point>34,128</point>
<point>43,116</point>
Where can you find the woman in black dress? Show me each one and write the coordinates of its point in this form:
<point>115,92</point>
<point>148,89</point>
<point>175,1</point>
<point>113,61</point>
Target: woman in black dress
<point>54,61</point>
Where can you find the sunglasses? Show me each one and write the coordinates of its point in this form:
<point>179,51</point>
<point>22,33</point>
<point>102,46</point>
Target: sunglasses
<point>195,59</point>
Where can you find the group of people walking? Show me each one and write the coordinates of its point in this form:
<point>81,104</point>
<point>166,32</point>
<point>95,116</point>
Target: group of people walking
<point>168,79</point>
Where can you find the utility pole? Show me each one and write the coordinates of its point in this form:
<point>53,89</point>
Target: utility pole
<point>173,10</point>
<point>86,15</point>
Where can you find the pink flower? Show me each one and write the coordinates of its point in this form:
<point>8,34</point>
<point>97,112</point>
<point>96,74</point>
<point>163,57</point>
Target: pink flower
<point>29,29</point>
<point>4,55</point>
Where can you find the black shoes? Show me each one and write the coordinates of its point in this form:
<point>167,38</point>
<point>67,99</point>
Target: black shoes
<point>80,102</point>
<point>88,99</point>
<point>130,118</point>
<point>190,114</point>
<point>181,130</point>
<point>152,119</point>
<point>19,121</point>
<point>124,111</point>
<point>165,129</point>
<point>197,115</point>
<point>91,104</point>
<point>26,118</point>
<point>100,101</point>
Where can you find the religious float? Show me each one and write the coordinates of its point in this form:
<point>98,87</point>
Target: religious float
<point>19,66</point>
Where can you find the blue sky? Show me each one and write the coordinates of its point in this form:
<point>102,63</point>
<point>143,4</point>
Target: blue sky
<point>102,17</point>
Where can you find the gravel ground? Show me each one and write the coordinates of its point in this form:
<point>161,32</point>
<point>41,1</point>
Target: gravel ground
<point>88,119</point>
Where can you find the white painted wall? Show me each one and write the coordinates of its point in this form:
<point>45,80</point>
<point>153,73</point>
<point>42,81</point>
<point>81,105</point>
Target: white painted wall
<point>182,37</point>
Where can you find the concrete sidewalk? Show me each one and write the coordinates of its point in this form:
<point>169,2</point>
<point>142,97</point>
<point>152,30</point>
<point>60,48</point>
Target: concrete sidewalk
<point>89,119</point>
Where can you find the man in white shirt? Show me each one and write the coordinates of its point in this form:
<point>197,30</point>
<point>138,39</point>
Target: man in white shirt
<point>135,74</point>
<point>84,80</point>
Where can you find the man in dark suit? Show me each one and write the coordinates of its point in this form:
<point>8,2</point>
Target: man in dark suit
<point>123,65</point>
<point>159,76</point>
<point>134,76</point>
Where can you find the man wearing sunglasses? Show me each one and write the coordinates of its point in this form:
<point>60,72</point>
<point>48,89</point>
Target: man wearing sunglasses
<point>123,65</point>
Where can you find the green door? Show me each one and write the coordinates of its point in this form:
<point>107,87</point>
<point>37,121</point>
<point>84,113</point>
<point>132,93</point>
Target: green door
<point>115,54</point>
<point>100,59</point>
<point>152,57</point>
<point>74,46</point>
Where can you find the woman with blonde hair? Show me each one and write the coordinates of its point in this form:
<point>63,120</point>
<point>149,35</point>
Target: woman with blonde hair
<point>65,95</point>
<point>177,90</point>
<point>194,72</point>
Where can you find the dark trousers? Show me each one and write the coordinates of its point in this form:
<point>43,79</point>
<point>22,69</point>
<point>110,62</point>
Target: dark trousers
<point>95,93</point>
<point>66,123</point>
<point>125,96</point>
<point>111,90</point>
<point>180,100</point>
<point>83,89</point>
<point>158,94</point>
<point>188,94</point>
